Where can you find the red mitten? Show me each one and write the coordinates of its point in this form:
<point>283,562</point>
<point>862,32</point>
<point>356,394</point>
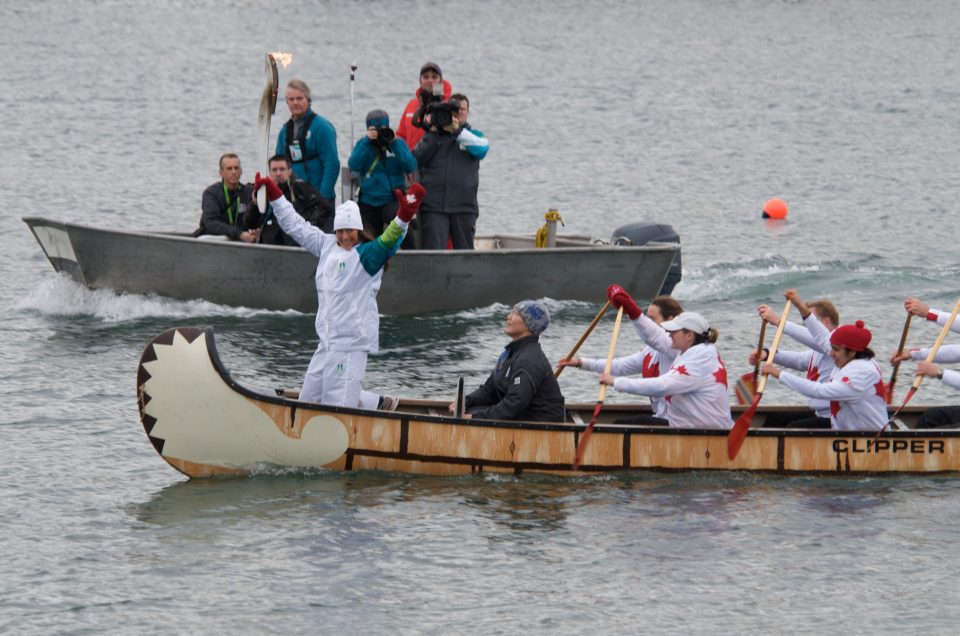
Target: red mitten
<point>620,298</point>
<point>273,192</point>
<point>409,202</point>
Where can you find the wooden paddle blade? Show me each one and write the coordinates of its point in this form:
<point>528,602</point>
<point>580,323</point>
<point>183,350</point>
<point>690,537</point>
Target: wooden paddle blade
<point>740,429</point>
<point>586,435</point>
<point>746,388</point>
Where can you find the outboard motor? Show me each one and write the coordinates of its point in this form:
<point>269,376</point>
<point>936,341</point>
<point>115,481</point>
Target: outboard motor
<point>643,233</point>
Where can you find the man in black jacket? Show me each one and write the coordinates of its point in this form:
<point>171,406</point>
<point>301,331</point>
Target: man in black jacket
<point>227,207</point>
<point>449,158</point>
<point>522,385</point>
<point>306,200</point>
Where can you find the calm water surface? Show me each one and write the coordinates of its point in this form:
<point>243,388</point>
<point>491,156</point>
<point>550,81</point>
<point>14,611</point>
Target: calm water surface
<point>688,113</point>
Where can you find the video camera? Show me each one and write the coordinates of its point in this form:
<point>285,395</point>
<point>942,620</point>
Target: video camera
<point>441,115</point>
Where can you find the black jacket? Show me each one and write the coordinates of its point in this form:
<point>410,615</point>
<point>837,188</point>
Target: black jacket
<point>449,174</point>
<point>521,387</point>
<point>217,218</point>
<point>308,202</point>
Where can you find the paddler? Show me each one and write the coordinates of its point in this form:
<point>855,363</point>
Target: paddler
<point>855,389</point>
<point>649,362</point>
<point>695,386</point>
<point>348,278</point>
<point>938,416</point>
<point>820,319</point>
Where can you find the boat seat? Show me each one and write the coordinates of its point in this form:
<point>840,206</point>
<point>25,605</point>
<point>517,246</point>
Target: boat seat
<point>898,424</point>
<point>575,418</point>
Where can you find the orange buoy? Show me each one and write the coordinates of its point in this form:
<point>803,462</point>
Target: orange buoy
<point>775,209</point>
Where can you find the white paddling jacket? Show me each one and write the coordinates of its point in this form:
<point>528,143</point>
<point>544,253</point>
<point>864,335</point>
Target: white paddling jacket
<point>856,394</point>
<point>347,280</point>
<point>946,354</point>
<point>816,363</point>
<point>648,362</point>
<point>694,388</point>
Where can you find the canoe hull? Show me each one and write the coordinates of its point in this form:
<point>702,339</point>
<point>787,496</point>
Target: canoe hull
<point>205,424</point>
<point>279,278</point>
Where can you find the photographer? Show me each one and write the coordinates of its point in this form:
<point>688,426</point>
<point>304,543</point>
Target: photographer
<point>433,88</point>
<point>381,159</point>
<point>449,160</point>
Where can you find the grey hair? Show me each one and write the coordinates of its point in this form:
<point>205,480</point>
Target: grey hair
<point>300,85</point>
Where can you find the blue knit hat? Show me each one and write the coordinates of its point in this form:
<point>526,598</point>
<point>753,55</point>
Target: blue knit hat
<point>535,315</point>
<point>378,117</point>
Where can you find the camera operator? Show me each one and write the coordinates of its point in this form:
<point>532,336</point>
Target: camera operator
<point>382,160</point>
<point>449,160</point>
<point>432,88</point>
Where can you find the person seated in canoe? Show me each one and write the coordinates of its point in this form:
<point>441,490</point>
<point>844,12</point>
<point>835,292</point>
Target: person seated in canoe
<point>939,416</point>
<point>820,319</point>
<point>306,200</point>
<point>382,160</point>
<point>649,362</point>
<point>227,208</point>
<point>348,278</point>
<point>855,389</point>
<point>695,386</point>
<point>522,385</point>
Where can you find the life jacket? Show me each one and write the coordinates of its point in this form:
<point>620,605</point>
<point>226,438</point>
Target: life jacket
<point>301,140</point>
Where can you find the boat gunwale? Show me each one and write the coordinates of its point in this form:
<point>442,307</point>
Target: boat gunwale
<point>652,246</point>
<point>546,426</point>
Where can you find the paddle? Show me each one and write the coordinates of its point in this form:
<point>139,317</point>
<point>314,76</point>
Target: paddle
<point>747,384</point>
<point>896,365</point>
<point>930,356</point>
<point>459,401</point>
<point>739,431</point>
<point>583,338</point>
<point>268,106</point>
<point>603,391</point>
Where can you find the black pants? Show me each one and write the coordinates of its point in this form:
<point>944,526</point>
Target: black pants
<point>940,417</point>
<point>795,420</point>
<point>646,420</point>
<point>438,227</point>
<point>377,217</point>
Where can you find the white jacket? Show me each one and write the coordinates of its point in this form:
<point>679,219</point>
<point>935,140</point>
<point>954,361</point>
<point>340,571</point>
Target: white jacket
<point>816,363</point>
<point>856,395</point>
<point>695,388</point>
<point>945,354</point>
<point>347,281</point>
<point>648,362</point>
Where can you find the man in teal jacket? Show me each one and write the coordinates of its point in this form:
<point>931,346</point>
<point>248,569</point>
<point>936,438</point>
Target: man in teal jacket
<point>310,142</point>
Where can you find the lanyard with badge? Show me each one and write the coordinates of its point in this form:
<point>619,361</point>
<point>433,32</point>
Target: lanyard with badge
<point>231,205</point>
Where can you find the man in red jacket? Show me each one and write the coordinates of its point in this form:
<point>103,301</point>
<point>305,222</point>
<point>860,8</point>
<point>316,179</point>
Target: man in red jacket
<point>432,87</point>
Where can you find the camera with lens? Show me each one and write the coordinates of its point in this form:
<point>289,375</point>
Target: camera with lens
<point>385,135</point>
<point>441,114</point>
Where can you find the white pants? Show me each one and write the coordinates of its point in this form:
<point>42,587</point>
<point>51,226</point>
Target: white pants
<point>334,378</point>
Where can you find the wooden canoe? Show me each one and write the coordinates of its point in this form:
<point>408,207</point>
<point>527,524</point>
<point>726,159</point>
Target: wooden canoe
<point>205,424</point>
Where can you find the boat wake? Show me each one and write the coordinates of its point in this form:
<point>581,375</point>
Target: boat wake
<point>62,296</point>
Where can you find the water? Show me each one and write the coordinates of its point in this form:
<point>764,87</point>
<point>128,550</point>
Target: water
<point>689,113</point>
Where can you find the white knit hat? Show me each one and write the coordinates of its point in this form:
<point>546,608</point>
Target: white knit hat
<point>347,217</point>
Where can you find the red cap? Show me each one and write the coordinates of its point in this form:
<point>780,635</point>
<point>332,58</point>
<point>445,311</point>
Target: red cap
<point>854,337</point>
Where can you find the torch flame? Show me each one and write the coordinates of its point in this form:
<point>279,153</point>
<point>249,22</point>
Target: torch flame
<point>283,59</point>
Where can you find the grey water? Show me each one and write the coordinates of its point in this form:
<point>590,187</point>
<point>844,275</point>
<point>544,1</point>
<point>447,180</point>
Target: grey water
<point>686,112</point>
